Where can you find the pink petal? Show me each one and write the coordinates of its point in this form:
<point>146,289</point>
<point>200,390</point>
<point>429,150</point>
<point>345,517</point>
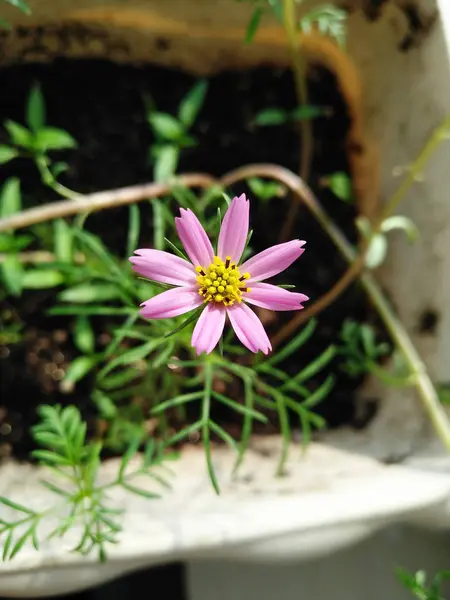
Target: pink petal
<point>248,328</point>
<point>164,267</point>
<point>272,261</point>
<point>194,238</point>
<point>272,297</point>
<point>209,328</point>
<point>234,229</point>
<point>171,303</point>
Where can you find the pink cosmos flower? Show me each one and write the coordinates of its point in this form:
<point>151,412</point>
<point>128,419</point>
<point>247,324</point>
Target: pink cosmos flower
<point>217,281</point>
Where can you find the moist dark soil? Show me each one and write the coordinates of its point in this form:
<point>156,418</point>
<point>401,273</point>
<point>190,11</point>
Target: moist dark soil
<point>103,106</point>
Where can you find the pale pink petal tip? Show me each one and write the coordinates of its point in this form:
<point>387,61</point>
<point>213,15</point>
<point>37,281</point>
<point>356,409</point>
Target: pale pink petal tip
<point>171,303</point>
<point>163,267</point>
<point>194,238</point>
<point>249,328</point>
<point>209,328</point>
<point>273,297</point>
<point>234,230</point>
<point>273,260</point>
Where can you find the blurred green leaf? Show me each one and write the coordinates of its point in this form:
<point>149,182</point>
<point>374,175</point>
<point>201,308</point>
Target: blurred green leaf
<point>266,190</point>
<point>51,138</point>
<point>19,134</point>
<point>192,103</point>
<point>134,225</point>
<point>106,407</point>
<point>254,23</point>
<point>328,20</point>
<point>10,198</point>
<point>271,116</point>
<point>307,112</point>
<point>131,356</point>
<point>166,162</point>
<point>90,292</point>
<point>377,251</point>
<point>403,223</point>
<point>158,224</point>
<point>35,111</point>
<point>12,274</point>
<point>63,241</point>
<point>165,126</point>
<point>7,153</point>
<point>84,337</point>
<point>21,5</point>
<point>58,168</point>
<point>79,368</point>
<point>341,186</point>
<point>39,279</point>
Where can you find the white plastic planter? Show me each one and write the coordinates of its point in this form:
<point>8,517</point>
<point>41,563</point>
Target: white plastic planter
<point>341,491</point>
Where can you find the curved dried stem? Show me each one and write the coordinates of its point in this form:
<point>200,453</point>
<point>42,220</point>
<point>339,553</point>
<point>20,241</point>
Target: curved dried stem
<point>99,201</point>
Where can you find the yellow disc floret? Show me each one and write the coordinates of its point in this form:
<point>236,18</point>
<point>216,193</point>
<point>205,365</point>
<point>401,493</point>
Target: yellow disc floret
<point>222,282</point>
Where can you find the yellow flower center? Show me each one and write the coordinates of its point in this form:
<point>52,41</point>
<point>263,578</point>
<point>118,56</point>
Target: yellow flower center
<point>222,282</point>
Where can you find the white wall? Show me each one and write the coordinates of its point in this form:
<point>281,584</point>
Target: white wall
<point>364,572</point>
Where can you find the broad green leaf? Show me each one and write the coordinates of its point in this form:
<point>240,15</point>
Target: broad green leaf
<point>165,164</point>
<point>5,24</point>
<point>254,23</point>
<point>7,153</point>
<point>86,293</point>
<point>39,279</point>
<point>10,198</point>
<point>84,337</point>
<point>79,368</point>
<point>191,104</point>
<point>271,116</point>
<point>12,274</point>
<point>51,138</point>
<point>19,134</point>
<point>165,126</point>
<point>35,109</point>
<point>341,186</point>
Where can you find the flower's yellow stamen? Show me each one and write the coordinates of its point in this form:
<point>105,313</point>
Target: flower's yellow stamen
<point>221,282</point>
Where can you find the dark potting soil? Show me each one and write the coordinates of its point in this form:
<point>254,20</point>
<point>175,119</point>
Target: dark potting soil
<point>103,106</point>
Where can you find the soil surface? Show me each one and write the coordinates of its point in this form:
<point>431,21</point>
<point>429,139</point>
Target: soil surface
<point>103,106</point>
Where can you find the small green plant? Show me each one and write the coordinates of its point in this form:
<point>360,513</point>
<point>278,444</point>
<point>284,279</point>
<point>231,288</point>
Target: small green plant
<point>327,20</point>
<point>419,587</point>
<point>37,140</point>
<point>359,348</point>
<point>172,134</point>
<point>72,465</point>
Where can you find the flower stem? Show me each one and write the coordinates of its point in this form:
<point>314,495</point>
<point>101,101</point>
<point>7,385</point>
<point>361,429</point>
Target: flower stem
<point>206,406</point>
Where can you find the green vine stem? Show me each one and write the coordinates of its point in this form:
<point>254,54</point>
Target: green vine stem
<point>301,88</point>
<point>49,179</point>
<point>437,137</point>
